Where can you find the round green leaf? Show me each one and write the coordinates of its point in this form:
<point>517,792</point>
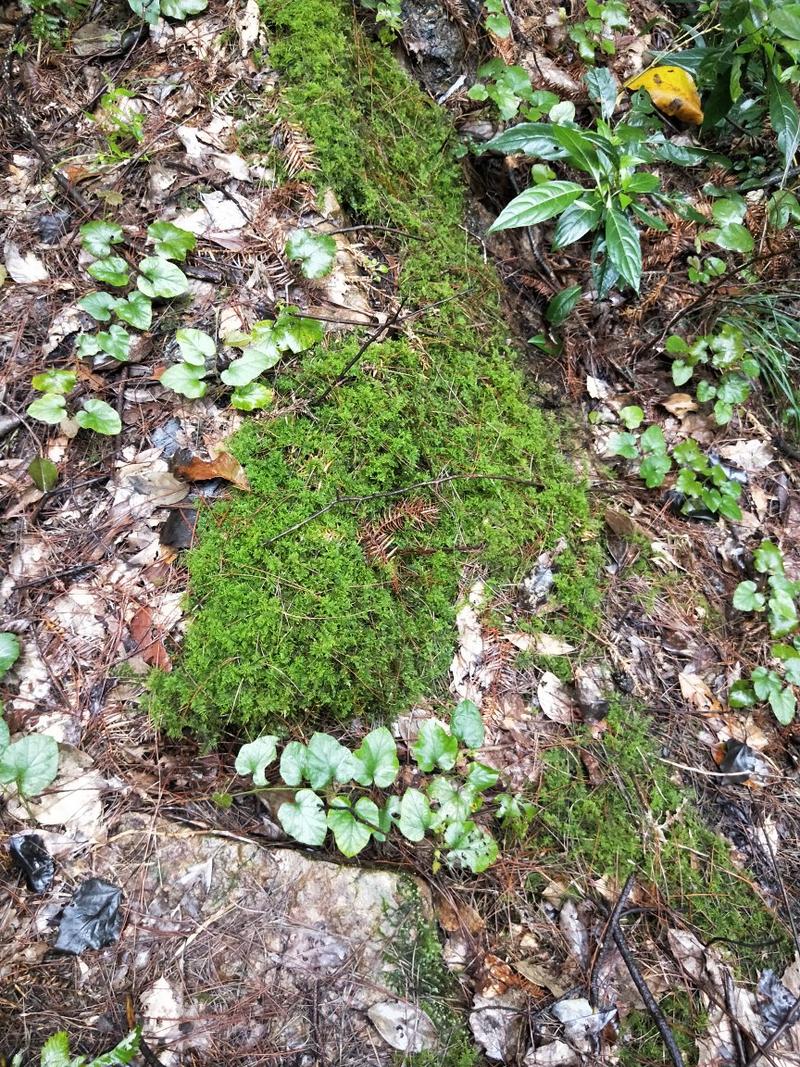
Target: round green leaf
<point>377,756</point>
<point>293,763</point>
<point>50,408</point>
<point>98,305</point>
<point>747,598</point>
<point>43,473</point>
<point>631,416</point>
<point>467,725</point>
<point>158,277</point>
<point>304,819</point>
<point>252,397</point>
<point>171,241</point>
<point>327,760</point>
<point>9,652</point>
<point>185,379</point>
<point>784,704</point>
<point>196,346</point>
<point>99,416</point>
<point>768,558</point>
<point>255,757</point>
<point>296,333</point>
<point>113,270</point>
<point>55,381</point>
<point>253,361</point>
<point>434,747</point>
<point>115,342</point>
<point>415,815</point>
<point>654,469</point>
<point>350,835</point>
<point>182,9</point>
<point>30,763</point>
<point>87,346</point>
<point>315,252</point>
<point>453,803</point>
<point>470,846</point>
<point>98,237</point>
<point>481,777</point>
<point>137,311</point>
<point>623,444</point>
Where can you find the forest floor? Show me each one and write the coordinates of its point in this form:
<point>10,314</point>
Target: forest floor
<point>591,620</point>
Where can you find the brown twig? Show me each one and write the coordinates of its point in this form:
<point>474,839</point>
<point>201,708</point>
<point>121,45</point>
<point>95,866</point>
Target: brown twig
<point>369,340</point>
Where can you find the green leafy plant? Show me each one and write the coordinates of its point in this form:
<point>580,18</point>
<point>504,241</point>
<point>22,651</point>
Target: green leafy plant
<point>612,206</point>
<point>704,271</point>
<point>151,10</point>
<point>50,17</point>
<point>122,124</point>
<point>388,15</point>
<point>315,252</point>
<point>725,351</point>
<point>56,1053</point>
<point>509,88</point>
<point>729,233</point>
<point>497,22</point>
<point>331,802</point>
<point>31,762</point>
<point>775,595</point>
<point>597,31</point>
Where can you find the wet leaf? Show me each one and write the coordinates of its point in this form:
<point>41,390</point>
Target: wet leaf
<point>98,237</point>
<point>673,91</point>
<point>159,277</point>
<point>43,473</point>
<point>99,416</point>
<point>137,311</point>
<point>50,408</point>
<point>55,381</point>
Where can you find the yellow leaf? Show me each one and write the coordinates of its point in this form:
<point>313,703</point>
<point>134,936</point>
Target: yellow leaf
<point>673,91</point>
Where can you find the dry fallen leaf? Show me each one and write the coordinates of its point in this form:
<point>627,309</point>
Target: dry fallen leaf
<point>750,455</point>
<point>148,643</point>
<point>673,91</point>
<point>679,404</point>
<point>25,269</point>
<point>554,700</point>
<point>541,644</point>
<point>226,466</point>
<point>695,692</point>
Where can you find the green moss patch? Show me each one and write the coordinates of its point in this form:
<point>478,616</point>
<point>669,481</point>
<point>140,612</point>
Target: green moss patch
<point>308,625</point>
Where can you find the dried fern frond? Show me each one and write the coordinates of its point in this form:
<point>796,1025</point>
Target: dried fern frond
<point>295,148</point>
<point>377,539</point>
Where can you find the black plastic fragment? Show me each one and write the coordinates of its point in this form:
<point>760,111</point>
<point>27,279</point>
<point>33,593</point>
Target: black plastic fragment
<point>29,855</point>
<point>738,762</point>
<point>91,919</point>
<point>178,530</point>
<point>53,226</point>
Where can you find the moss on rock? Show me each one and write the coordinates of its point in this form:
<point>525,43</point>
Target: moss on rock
<point>303,626</point>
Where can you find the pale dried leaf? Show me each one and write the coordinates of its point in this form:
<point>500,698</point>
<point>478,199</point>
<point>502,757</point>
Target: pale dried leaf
<point>679,404</point>
<point>540,644</point>
<point>554,700</point>
<point>25,269</point>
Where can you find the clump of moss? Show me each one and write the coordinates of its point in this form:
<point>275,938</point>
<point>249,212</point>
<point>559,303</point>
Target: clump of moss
<point>613,829</point>
<point>421,975</point>
<point>302,625</point>
<point>642,1045</point>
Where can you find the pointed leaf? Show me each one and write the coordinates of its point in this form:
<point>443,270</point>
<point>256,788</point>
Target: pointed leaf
<point>378,760</point>
<point>196,346</point>
<point>328,760</point>
<point>253,361</point>
<point>43,473</point>
<point>293,763</point>
<point>115,342</point>
<point>113,270</point>
<point>623,247</point>
<point>467,724</point>
<point>50,408</point>
<point>537,204</point>
<point>9,652</point>
<point>434,747</point>
<point>137,311</point>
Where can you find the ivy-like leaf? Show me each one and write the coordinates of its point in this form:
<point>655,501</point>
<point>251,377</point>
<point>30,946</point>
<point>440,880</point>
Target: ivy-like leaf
<point>30,763</point>
<point>196,346</point>
<point>98,305</point>
<point>98,237</point>
<point>185,379</point>
<point>470,846</point>
<point>480,777</point>
<point>415,815</point>
<point>304,818</point>
<point>122,1053</point>
<point>255,757</point>
<point>314,252</point>
<point>467,725</point>
<point>293,763</point>
<point>377,757</point>
<point>55,381</point>
<point>454,803</point>
<point>252,397</point>
<point>253,361</point>
<point>149,10</point>
<point>113,270</point>
<point>99,416</point>
<point>9,652</point>
<point>747,597</point>
<point>434,747</point>
<point>768,558</point>
<point>115,342</point>
<point>171,241</point>
<point>50,408</point>
<point>623,444</point>
<point>137,311</point>
<point>296,333</point>
<point>327,760</point>
<point>350,835</point>
<point>159,277</point>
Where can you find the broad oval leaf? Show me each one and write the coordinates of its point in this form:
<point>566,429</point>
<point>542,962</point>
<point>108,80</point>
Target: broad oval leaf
<point>293,763</point>
<point>579,219</point>
<point>30,763</point>
<point>537,204</point>
<point>378,760</point>
<point>50,408</point>
<point>253,361</point>
<point>137,311</point>
<point>182,9</point>
<point>196,346</point>
<point>467,725</point>
<point>434,747</point>
<point>98,305</point>
<point>623,247</point>
<point>99,416</point>
<point>255,757</point>
<point>314,251</point>
<point>327,760</point>
<point>113,270</point>
<point>115,342</point>
<point>9,651</point>
<point>186,379</point>
<point>44,475</point>
<point>98,237</point>
<point>350,835</point>
<point>55,381</point>
<point>252,397</point>
<point>297,333</point>
<point>415,815</point>
<point>304,818</point>
<point>159,277</point>
<point>563,304</point>
<point>170,240</point>
<point>532,138</point>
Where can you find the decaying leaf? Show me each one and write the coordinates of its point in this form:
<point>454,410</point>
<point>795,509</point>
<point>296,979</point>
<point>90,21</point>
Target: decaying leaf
<point>554,700</point>
<point>696,692</point>
<point>673,91</point>
<point>148,643</point>
<point>679,404</point>
<point>25,269</point>
<point>540,644</point>
<point>224,465</point>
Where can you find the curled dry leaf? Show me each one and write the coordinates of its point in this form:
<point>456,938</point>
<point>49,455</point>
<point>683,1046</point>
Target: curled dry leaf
<point>224,465</point>
<point>554,700</point>
<point>25,269</point>
<point>679,404</point>
<point>148,642</point>
<point>696,692</point>
<point>541,644</point>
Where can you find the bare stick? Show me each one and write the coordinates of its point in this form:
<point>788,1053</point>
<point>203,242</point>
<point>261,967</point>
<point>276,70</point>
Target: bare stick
<point>374,336</point>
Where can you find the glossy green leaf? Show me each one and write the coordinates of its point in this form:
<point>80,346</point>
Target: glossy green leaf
<point>579,219</point>
<point>747,597</point>
<point>785,18</point>
<point>434,747</point>
<point>537,204</point>
<point>113,270</point>
<point>55,381</point>
<point>98,305</point>
<point>160,278</point>
<point>98,237</point>
<point>196,346</point>
<point>466,724</point>
<point>631,416</point>
<point>296,333</point>
<point>603,89</point>
<point>314,251</point>
<point>87,345</point>
<point>252,397</point>
<point>741,695</point>
<point>377,757</point>
<point>304,818</point>
<point>9,651</point>
<point>499,25</point>
<point>43,473</point>
<point>623,444</point>
<point>470,846</point>
<point>785,119</point>
<point>171,241</point>
<point>350,834</point>
<point>136,310</point>
<point>563,304</point>
<point>253,361</point>
<point>186,379</point>
<point>623,247</point>
<point>255,757</point>
<point>480,777</point>
<point>50,408</point>
<point>768,558</point>
<point>415,815</point>
<point>30,763</point>
<point>99,416</point>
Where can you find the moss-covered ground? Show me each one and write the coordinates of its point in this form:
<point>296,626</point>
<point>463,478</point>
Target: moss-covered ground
<point>306,628</point>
